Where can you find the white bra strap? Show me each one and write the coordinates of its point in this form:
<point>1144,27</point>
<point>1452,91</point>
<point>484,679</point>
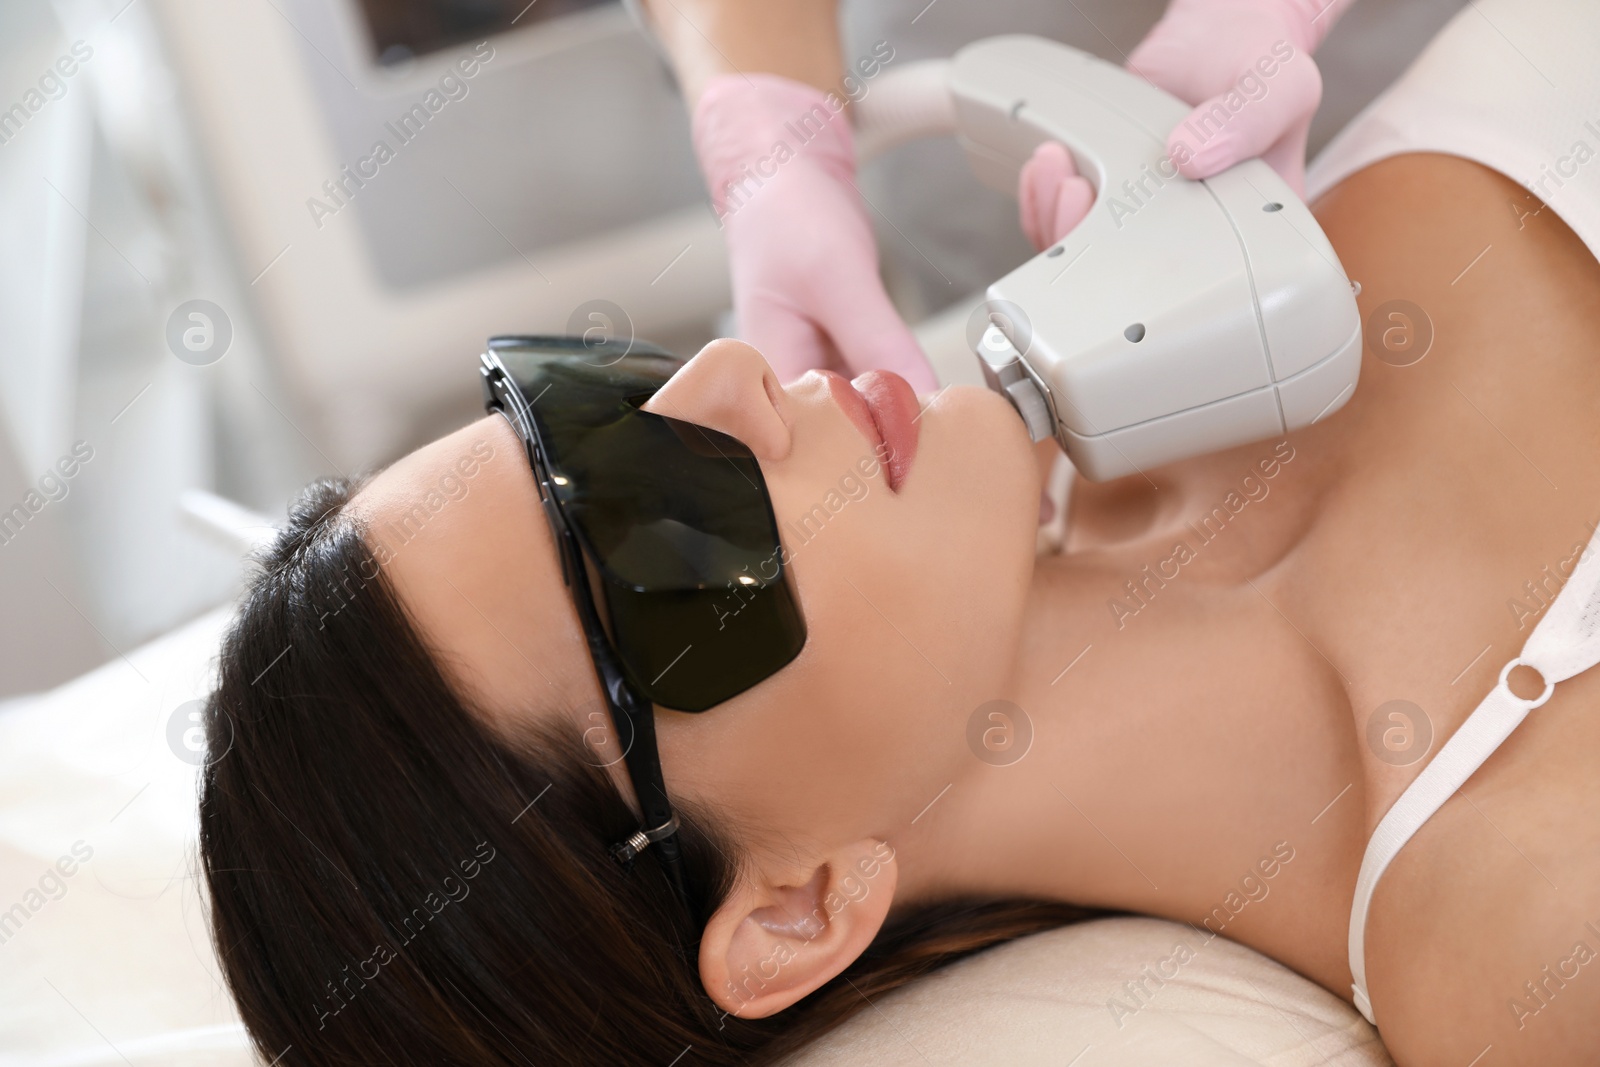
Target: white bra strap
<point>1566,642</point>
<point>1499,714</point>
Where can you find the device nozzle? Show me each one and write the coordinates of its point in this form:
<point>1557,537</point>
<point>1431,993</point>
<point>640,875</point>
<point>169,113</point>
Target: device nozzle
<point>1006,374</point>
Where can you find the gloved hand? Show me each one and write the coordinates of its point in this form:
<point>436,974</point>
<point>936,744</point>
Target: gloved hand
<point>1052,196</point>
<point>781,166</point>
<point>1245,63</point>
<point>1247,66</point>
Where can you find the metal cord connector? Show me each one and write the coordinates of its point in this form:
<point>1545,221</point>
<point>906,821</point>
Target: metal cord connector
<point>626,851</point>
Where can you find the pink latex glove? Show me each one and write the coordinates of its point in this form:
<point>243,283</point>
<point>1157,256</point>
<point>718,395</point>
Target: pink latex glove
<point>1052,196</point>
<point>1247,66</point>
<point>780,162</point>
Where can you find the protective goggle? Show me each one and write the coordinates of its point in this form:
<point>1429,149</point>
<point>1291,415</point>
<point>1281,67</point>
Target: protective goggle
<point>666,536</point>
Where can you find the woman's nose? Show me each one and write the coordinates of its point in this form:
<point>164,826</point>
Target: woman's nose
<point>729,387</point>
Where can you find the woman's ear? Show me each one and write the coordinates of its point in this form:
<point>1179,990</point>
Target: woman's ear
<point>782,933</point>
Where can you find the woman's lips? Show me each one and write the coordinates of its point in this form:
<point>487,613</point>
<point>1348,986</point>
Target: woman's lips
<point>884,408</point>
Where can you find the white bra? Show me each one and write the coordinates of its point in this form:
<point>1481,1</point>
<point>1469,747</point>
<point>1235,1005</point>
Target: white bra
<point>1566,642</point>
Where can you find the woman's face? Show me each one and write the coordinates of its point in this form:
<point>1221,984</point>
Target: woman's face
<point>912,596</point>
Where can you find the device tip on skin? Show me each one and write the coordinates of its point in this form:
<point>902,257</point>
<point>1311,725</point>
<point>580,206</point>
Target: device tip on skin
<point>1007,374</point>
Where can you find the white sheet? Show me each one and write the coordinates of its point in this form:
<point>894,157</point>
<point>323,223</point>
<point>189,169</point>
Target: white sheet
<point>119,966</point>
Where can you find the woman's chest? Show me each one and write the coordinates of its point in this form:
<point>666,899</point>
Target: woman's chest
<point>1198,718</point>
<point>1268,672</point>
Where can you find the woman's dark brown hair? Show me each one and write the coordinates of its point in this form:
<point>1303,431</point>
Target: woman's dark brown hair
<point>391,882</point>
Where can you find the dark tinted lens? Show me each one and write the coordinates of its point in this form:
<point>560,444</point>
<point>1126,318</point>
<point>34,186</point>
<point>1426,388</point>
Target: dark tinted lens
<point>675,518</point>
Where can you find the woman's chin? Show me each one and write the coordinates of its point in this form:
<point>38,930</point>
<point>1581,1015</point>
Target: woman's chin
<point>974,452</point>
<point>983,413</point>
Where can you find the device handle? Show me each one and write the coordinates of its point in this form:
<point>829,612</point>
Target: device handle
<point>1012,93</point>
<point>905,104</point>
<point>1003,96</point>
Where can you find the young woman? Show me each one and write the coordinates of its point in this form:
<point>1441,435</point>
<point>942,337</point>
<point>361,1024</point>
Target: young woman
<point>410,836</point>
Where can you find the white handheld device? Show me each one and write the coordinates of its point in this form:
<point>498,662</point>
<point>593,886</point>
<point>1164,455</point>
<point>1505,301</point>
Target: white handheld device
<point>1180,317</point>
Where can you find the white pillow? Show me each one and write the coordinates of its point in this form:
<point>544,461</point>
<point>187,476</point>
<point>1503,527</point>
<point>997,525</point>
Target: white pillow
<point>1107,993</point>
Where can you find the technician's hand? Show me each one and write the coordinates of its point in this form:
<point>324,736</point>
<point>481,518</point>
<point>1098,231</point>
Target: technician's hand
<point>780,163</point>
<point>1247,66</point>
<point>1052,196</point>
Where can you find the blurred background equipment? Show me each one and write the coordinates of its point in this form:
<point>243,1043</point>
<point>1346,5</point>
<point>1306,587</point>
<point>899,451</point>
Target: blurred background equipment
<point>217,279</point>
